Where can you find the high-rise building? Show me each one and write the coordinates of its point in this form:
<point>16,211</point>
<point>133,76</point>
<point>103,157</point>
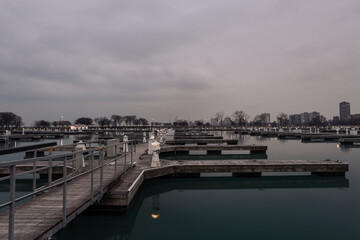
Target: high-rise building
<point>344,108</point>
<point>313,115</point>
<point>305,118</point>
<point>295,119</point>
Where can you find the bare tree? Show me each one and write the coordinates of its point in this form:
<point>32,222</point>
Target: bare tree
<point>84,120</point>
<point>8,119</point>
<point>219,116</point>
<point>240,118</point>
<point>42,123</point>
<point>117,120</point>
<point>143,121</point>
<point>103,121</point>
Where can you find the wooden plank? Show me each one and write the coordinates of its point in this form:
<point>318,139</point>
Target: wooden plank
<point>39,215</point>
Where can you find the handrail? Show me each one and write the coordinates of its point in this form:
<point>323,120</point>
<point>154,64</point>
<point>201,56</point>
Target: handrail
<point>67,161</point>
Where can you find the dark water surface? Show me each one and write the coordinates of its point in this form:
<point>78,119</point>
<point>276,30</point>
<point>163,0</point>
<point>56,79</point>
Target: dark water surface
<point>270,207</point>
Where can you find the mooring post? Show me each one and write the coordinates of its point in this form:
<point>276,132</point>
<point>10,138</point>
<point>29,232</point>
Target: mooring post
<point>64,191</point>
<point>102,152</point>
<point>132,154</point>
<point>12,201</point>
<point>115,173</point>
<point>92,175</point>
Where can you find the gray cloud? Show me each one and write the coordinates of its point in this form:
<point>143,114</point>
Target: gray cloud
<point>161,59</point>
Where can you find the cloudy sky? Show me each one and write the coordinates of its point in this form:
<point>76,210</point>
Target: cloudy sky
<point>165,58</point>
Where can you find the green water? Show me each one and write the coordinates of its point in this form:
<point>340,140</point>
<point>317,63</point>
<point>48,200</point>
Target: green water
<point>270,207</point>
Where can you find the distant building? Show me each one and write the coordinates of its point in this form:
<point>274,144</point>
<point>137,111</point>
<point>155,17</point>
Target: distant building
<point>295,119</point>
<point>227,122</point>
<point>336,120</point>
<point>313,115</point>
<point>344,108</point>
<point>355,116</point>
<point>305,118</point>
<point>79,127</point>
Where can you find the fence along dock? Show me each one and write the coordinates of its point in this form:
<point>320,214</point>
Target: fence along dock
<point>63,199</point>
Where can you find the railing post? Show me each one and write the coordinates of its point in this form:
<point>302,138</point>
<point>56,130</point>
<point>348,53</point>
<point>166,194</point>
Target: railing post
<point>50,171</point>
<point>12,200</point>
<point>64,191</point>
<point>132,154</point>
<point>92,175</point>
<point>101,171</point>
<point>125,162</point>
<point>116,154</point>
<point>34,176</point>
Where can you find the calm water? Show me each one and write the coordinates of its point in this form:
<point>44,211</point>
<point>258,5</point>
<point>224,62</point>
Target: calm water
<point>270,207</point>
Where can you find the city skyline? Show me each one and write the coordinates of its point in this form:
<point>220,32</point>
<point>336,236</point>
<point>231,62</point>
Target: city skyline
<point>159,59</point>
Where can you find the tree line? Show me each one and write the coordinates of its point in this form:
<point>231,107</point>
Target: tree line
<point>9,119</point>
<point>114,120</point>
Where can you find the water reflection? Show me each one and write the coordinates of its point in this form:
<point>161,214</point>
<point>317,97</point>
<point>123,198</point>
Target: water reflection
<point>147,202</point>
<point>155,211</point>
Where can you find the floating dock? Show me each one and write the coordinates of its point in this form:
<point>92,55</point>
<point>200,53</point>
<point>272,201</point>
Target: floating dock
<point>211,149</point>
<point>26,148</point>
<point>124,192</point>
<point>202,141</point>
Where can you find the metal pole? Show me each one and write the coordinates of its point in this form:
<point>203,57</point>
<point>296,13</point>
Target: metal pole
<point>92,175</point>
<point>50,171</point>
<point>34,176</point>
<point>132,154</point>
<point>64,191</point>
<point>125,162</point>
<point>101,172</point>
<point>12,200</point>
<point>116,148</point>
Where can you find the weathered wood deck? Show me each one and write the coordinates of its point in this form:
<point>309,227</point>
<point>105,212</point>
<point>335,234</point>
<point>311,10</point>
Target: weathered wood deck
<point>42,216</point>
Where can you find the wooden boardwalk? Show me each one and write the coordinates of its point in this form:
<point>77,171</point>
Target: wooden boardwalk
<point>42,216</point>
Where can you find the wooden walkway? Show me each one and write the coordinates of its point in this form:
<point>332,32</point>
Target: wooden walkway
<point>41,217</point>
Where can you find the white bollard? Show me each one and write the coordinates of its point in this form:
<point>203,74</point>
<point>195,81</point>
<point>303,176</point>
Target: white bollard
<point>80,161</point>
<point>150,149</point>
<point>144,137</point>
<point>126,144</point>
<point>155,161</point>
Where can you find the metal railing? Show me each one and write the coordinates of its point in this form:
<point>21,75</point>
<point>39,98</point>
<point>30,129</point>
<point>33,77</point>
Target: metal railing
<point>71,169</point>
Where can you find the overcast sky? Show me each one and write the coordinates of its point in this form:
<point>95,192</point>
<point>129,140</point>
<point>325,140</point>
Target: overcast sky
<point>189,58</point>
